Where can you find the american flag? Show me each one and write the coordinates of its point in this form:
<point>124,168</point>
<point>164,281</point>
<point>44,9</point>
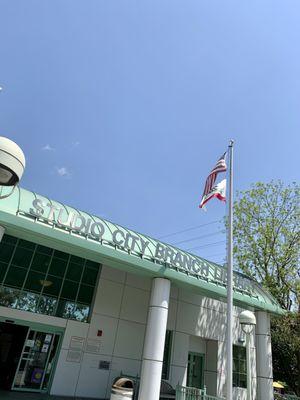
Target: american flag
<point>211,179</point>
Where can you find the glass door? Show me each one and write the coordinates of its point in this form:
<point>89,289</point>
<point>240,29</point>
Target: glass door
<point>36,361</point>
<point>195,373</point>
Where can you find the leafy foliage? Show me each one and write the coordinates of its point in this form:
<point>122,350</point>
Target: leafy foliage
<point>266,231</point>
<point>286,350</point>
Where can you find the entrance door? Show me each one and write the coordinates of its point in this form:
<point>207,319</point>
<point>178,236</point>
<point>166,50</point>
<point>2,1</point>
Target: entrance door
<point>195,373</point>
<point>36,361</point>
<point>12,339</point>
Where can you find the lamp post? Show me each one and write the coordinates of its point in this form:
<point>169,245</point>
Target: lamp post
<point>248,322</point>
<point>12,164</point>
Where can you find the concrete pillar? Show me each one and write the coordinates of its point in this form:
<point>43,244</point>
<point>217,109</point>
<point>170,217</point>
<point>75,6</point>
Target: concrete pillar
<point>155,340</point>
<point>264,357</point>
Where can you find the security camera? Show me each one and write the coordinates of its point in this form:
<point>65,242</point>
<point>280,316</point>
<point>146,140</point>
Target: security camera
<point>12,162</point>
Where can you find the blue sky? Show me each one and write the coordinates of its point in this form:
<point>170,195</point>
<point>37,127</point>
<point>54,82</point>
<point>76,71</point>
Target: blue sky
<point>122,107</point>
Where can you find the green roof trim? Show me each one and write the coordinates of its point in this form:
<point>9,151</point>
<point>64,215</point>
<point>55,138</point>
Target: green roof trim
<point>36,218</point>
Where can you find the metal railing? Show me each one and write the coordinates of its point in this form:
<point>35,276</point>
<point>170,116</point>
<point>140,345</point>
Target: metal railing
<point>190,393</point>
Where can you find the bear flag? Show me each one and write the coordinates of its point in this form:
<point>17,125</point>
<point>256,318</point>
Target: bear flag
<point>211,190</point>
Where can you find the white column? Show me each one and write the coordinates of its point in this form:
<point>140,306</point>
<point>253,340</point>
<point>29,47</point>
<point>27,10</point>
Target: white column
<point>2,231</point>
<point>264,357</point>
<point>155,340</point>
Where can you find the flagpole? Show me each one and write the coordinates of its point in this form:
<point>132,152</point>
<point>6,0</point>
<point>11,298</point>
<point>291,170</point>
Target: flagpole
<point>229,275</point>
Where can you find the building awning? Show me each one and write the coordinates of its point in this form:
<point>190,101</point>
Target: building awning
<point>34,217</point>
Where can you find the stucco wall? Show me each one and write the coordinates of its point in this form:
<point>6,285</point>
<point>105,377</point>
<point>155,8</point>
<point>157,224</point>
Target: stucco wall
<point>120,312</point>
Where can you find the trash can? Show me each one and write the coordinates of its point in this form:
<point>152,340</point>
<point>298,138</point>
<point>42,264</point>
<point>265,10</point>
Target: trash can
<point>122,389</point>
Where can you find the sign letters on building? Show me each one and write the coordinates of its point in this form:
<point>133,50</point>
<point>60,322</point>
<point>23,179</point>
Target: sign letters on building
<point>132,243</point>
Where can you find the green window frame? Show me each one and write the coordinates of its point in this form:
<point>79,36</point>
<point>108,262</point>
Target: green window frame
<point>167,355</point>
<point>46,281</point>
<point>239,366</point>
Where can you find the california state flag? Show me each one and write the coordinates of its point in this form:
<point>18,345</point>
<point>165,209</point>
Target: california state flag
<point>218,191</point>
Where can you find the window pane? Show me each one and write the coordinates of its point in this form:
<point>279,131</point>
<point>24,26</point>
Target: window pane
<point>65,309</point>
<point>9,239</point>
<point>58,266</point>
<point>26,245</point>
<point>15,277</point>
<point>242,366</point>
<point>60,254</point>
<point>40,262</point>
<point>34,281</point>
<point>81,312</point>
<point>69,290</point>
<point>3,269</point>
<point>74,272</point>
<point>85,294</point>
<point>8,296</point>
<point>77,260</point>
<point>235,379</point>
<point>92,264</point>
<point>47,305</point>
<point>90,276</point>
<point>239,366</point>
<point>243,381</point>
<point>6,251</point>
<point>22,257</point>
<point>44,250</point>
<point>28,302</point>
<point>167,355</point>
<point>54,288</point>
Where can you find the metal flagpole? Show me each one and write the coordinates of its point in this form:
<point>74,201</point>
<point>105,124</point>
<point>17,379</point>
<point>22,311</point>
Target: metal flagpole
<point>229,276</point>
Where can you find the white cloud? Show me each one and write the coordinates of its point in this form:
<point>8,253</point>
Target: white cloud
<point>63,171</point>
<point>75,144</point>
<point>48,148</point>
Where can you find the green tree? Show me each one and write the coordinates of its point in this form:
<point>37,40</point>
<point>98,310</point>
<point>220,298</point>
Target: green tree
<point>266,232</point>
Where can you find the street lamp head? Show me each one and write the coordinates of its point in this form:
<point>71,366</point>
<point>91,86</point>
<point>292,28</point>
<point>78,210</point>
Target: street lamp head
<point>247,321</point>
<point>12,162</point>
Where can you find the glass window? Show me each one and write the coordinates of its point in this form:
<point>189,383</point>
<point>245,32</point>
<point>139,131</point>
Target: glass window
<point>9,239</point>
<point>85,294</point>
<point>69,290</point>
<point>9,297</point>
<point>92,264</point>
<point>239,366</point>
<point>53,285</point>
<point>90,276</point>
<point>51,282</point>
<point>44,250</point>
<point>167,355</point>
<point>47,305</point>
<point>22,257</point>
<point>40,262</point>
<point>60,254</point>
<point>77,260</point>
<point>74,271</point>
<point>81,312</point>
<point>26,245</point>
<point>15,277</point>
<point>3,269</point>
<point>34,281</point>
<point>6,251</point>
<point>28,302</point>
<point>58,266</point>
<point>65,309</point>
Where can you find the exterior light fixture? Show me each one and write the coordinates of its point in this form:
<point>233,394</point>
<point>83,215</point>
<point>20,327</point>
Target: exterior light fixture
<point>12,163</point>
<point>248,322</point>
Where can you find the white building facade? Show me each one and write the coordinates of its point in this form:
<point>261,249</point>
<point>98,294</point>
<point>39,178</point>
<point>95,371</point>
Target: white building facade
<point>84,301</point>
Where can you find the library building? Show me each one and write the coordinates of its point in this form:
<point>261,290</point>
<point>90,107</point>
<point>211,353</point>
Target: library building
<point>84,301</point>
